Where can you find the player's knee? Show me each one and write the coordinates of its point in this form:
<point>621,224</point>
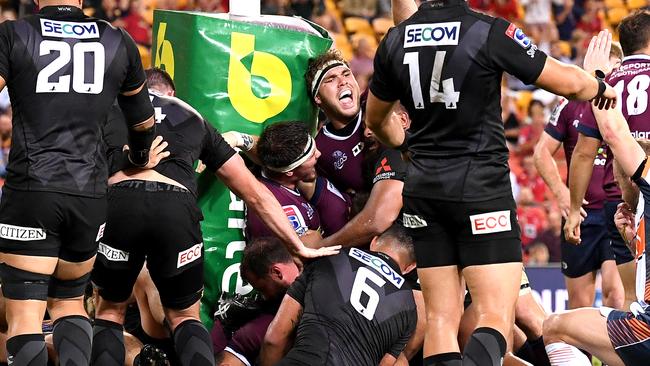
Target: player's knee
<point>68,289</point>
<point>552,328</point>
<point>18,284</point>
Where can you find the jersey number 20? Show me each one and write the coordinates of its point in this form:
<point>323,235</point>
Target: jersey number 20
<point>449,96</point>
<point>80,54</point>
<point>360,287</point>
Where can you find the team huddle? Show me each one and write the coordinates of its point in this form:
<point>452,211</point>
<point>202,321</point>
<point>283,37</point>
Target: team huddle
<point>390,237</point>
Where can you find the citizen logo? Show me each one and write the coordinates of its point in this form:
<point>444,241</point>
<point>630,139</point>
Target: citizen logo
<point>112,254</point>
<point>21,233</point>
<point>491,222</point>
<point>413,221</point>
<point>189,255</point>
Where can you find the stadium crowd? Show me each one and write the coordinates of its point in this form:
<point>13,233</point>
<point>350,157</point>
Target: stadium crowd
<point>350,199</point>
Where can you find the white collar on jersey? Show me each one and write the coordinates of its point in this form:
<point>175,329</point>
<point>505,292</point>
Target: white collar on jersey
<point>327,133</point>
<point>636,57</point>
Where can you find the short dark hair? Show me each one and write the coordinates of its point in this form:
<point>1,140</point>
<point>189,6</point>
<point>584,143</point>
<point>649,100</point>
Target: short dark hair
<point>317,63</point>
<point>282,143</point>
<point>396,237</point>
<point>634,31</point>
<point>157,77</point>
<point>260,254</point>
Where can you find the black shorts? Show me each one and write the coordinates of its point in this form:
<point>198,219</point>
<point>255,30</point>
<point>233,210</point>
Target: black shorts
<point>594,248</point>
<point>50,224</point>
<point>157,222</point>
<point>463,233</point>
<point>622,253</point>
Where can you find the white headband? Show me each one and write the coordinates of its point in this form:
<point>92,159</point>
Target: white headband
<point>320,74</point>
<point>306,154</point>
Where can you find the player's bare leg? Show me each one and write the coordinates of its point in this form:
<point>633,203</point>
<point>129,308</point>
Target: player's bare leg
<point>583,328</point>
<point>443,317</point>
<point>612,286</point>
<point>627,272</point>
<point>581,290</point>
<point>494,289</point>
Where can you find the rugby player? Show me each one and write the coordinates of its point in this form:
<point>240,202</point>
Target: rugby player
<point>580,263</point>
<point>169,237</point>
<point>355,308</point>
<point>445,65</point>
<point>64,71</point>
<point>616,337</point>
<point>628,80</point>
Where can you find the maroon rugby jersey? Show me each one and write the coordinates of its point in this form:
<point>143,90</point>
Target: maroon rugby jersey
<point>301,214</point>
<point>631,82</point>
<point>563,126</point>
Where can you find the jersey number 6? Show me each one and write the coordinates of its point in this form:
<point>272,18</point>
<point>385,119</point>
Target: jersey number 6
<point>77,54</point>
<point>360,287</point>
<point>448,96</point>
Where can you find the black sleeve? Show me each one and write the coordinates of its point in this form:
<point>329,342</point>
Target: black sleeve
<point>389,166</point>
<point>410,319</point>
<point>382,84</point>
<point>298,288</point>
<point>512,51</point>
<point>215,151</point>
<point>5,49</point>
<point>115,137</point>
<point>135,75</point>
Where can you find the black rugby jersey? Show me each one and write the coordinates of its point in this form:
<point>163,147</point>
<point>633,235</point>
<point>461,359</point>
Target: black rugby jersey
<point>189,136</point>
<point>356,308</point>
<point>63,71</point>
<point>445,65</point>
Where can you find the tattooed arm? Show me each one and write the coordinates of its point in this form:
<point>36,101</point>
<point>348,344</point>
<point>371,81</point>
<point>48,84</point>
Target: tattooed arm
<point>279,335</point>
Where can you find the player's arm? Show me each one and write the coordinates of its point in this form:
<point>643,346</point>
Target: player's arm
<point>388,130</point>
<point>245,142</point>
<point>402,10</point>
<point>546,147</point>
<point>388,360</point>
<point>571,81</point>
<point>228,359</point>
<point>416,341</point>
<point>234,174</point>
<point>2,83</point>
<point>616,133</point>
<point>629,191</point>
<point>381,210</point>
<point>582,165</point>
<point>278,338</point>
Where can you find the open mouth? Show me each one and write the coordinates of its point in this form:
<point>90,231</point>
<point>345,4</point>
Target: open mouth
<point>345,95</point>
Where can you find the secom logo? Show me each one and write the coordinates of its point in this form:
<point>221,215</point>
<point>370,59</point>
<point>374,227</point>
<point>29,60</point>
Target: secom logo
<point>54,28</point>
<point>438,34</point>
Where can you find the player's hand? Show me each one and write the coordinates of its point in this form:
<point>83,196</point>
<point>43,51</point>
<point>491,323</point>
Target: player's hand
<point>231,138</point>
<point>597,56</point>
<point>157,152</point>
<point>624,220</point>
<point>307,253</point>
<point>572,227</point>
<point>564,201</point>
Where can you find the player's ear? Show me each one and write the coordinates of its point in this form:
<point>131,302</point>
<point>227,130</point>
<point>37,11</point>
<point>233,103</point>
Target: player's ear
<point>276,272</point>
<point>317,100</point>
<point>409,268</point>
<point>373,244</point>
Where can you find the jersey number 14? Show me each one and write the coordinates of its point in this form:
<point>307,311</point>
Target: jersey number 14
<point>81,55</point>
<point>449,96</point>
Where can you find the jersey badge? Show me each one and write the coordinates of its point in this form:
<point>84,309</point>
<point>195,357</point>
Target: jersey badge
<point>296,219</point>
<point>112,254</point>
<point>339,159</point>
<point>436,34</point>
<point>519,37</point>
<point>413,221</point>
<point>189,255</point>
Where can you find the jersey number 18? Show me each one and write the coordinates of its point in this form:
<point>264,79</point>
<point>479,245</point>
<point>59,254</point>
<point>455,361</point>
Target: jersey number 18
<point>82,55</point>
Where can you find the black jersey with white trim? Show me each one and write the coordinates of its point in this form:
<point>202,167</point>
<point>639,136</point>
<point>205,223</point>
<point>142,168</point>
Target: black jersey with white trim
<point>357,307</point>
<point>189,136</point>
<point>63,70</point>
<point>445,65</point>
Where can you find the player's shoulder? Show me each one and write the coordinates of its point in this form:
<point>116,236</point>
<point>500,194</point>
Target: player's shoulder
<point>183,108</point>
